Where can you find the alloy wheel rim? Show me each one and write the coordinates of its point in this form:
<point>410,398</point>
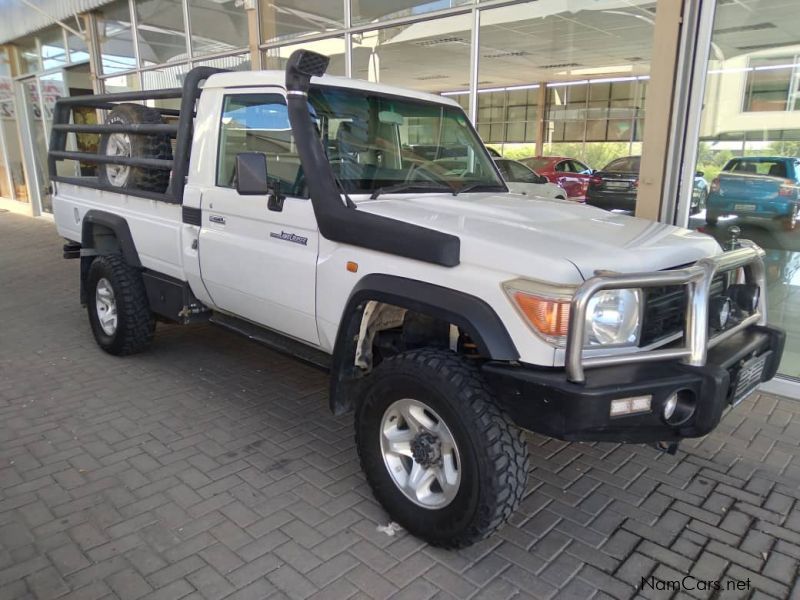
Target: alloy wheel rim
<point>119,144</point>
<point>106,305</point>
<point>420,453</point>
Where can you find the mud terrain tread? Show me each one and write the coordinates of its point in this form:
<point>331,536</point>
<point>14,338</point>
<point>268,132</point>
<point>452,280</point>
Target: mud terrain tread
<point>146,146</point>
<point>135,320</point>
<point>503,451</point>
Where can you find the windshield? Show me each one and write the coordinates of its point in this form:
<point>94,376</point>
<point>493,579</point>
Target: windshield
<point>627,164</point>
<point>375,141</point>
<point>536,164</point>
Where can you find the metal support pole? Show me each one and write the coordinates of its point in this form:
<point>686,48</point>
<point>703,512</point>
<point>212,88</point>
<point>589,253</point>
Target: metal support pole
<point>348,41</point>
<point>474,56</point>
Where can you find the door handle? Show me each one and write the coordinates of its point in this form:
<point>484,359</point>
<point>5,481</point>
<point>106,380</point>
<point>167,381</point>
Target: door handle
<point>217,219</point>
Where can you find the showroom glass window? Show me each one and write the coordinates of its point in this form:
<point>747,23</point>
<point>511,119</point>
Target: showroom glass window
<point>371,11</point>
<point>563,80</point>
<point>283,20</point>
<point>161,31</point>
<point>747,175</point>
<point>116,38</point>
<point>401,55</point>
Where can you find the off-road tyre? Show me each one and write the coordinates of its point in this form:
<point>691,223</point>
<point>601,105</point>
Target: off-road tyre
<point>493,454</point>
<point>141,146</point>
<point>135,322</point>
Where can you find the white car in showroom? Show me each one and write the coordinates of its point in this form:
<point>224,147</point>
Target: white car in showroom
<point>523,180</point>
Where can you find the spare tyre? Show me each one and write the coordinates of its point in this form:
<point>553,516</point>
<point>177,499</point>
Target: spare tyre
<point>134,146</point>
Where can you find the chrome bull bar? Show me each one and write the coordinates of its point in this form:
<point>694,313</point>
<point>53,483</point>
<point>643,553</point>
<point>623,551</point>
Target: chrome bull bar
<point>696,341</point>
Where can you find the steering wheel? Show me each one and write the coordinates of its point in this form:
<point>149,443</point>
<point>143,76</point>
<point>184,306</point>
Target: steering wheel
<point>428,175</point>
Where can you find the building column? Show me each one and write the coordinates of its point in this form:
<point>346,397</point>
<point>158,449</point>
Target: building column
<point>541,118</point>
<point>658,107</point>
<point>93,45</point>
<point>253,34</point>
<point>673,108</point>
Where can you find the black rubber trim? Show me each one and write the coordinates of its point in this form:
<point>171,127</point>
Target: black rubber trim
<point>336,221</point>
<point>120,228</point>
<point>469,313</point>
<point>191,215</point>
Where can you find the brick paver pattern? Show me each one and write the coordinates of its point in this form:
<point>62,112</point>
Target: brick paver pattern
<point>210,467</point>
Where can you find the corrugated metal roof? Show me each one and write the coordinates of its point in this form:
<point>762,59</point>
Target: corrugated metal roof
<point>19,19</point>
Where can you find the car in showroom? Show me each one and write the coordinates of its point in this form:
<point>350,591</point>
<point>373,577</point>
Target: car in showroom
<point>522,180</point>
<point>756,188</point>
<point>615,186</point>
<point>571,174</point>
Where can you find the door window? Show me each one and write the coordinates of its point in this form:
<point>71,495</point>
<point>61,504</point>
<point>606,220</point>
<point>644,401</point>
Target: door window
<point>562,167</point>
<point>521,173</point>
<point>578,167</point>
<point>259,123</point>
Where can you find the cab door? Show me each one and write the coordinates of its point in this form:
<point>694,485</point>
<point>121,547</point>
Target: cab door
<point>259,262</point>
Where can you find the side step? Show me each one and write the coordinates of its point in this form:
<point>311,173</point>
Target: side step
<point>274,340</point>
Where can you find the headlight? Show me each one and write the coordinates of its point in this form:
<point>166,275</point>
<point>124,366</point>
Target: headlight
<point>613,318</point>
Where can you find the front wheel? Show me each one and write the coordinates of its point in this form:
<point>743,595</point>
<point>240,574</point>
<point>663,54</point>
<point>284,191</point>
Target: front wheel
<point>440,455</point>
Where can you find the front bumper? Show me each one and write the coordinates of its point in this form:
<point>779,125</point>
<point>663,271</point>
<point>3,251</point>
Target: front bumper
<point>545,401</point>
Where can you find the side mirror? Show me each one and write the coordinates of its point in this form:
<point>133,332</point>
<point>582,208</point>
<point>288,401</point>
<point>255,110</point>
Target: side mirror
<point>251,174</point>
<point>541,179</point>
<point>699,174</point>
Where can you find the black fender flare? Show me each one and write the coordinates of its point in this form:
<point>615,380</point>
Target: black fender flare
<point>122,232</point>
<point>470,313</point>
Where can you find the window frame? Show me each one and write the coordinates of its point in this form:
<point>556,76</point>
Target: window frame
<point>270,91</point>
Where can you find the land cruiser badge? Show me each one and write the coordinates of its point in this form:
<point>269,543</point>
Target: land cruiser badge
<point>289,237</point>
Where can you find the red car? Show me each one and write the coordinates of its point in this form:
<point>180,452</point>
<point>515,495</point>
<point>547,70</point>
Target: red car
<point>571,174</point>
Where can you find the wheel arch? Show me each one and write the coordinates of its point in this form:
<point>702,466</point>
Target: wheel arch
<point>469,313</point>
<point>105,233</point>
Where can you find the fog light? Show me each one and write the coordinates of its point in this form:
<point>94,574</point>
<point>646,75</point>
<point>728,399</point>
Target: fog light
<point>629,406</point>
<point>669,406</point>
<point>679,407</point>
<point>719,311</point>
<point>745,296</point>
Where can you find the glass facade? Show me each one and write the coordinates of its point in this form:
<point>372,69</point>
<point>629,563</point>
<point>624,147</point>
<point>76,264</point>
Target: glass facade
<point>748,167</point>
<point>401,55</point>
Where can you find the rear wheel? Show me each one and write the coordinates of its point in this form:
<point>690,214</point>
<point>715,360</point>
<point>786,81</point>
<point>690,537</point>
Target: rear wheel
<point>441,457</point>
<point>119,313</point>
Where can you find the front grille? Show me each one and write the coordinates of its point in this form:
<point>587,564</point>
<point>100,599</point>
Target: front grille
<point>665,310</point>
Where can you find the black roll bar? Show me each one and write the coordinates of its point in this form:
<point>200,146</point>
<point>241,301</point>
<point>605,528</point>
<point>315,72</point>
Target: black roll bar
<point>182,132</point>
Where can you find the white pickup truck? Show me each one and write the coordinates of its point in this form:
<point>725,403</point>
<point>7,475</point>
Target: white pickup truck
<point>292,208</point>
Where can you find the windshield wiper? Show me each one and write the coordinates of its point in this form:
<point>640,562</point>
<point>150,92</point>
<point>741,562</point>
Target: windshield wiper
<point>476,185</point>
<point>410,185</point>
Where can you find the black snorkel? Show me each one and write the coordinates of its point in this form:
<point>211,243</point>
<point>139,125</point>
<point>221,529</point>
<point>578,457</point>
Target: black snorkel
<point>336,220</point>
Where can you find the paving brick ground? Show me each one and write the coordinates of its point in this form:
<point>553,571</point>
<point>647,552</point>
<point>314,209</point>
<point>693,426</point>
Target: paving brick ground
<point>210,468</point>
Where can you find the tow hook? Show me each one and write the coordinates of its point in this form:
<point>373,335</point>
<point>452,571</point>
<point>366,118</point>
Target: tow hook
<point>670,448</point>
